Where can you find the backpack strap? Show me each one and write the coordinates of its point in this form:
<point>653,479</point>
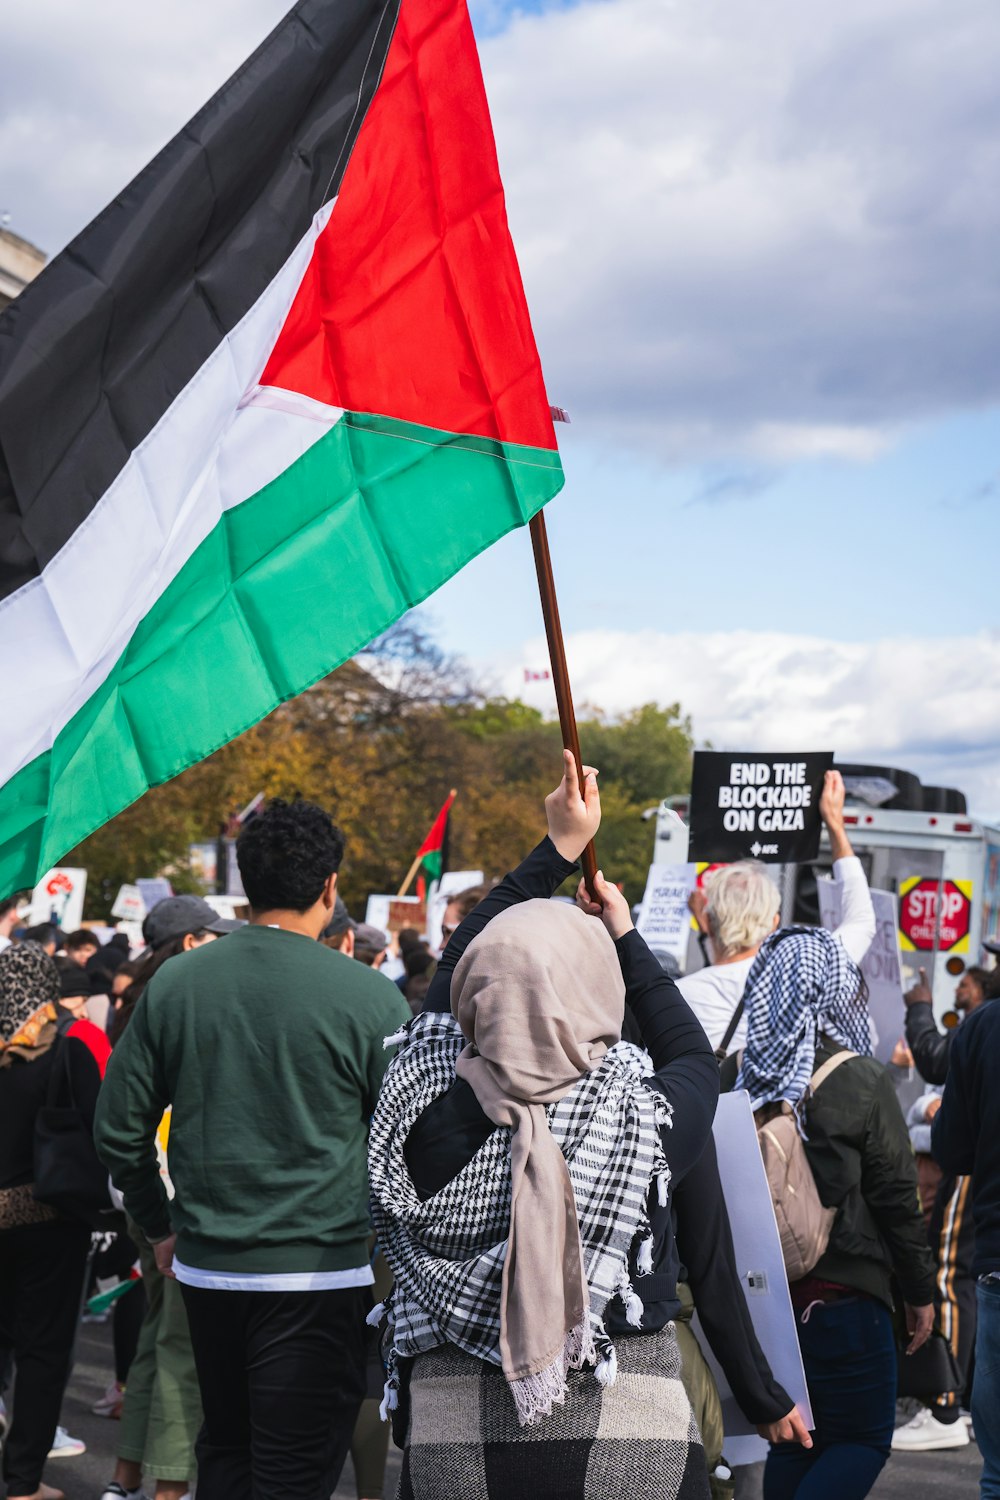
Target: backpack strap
<point>830,1066</point>
<point>59,1079</point>
<point>722,1049</point>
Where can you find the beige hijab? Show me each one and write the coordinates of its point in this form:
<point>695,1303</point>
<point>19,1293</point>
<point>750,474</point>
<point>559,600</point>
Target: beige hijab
<point>540,998</point>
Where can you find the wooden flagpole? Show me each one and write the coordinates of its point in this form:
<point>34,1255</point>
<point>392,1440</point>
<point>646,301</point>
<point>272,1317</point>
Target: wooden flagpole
<point>560,671</point>
<point>409,877</point>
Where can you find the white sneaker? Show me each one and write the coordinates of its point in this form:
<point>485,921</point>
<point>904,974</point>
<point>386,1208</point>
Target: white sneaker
<point>116,1491</point>
<point>64,1446</point>
<point>925,1433</point>
<point>110,1404</point>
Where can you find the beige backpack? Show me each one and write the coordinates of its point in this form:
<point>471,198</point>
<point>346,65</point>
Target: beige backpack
<point>803,1223</point>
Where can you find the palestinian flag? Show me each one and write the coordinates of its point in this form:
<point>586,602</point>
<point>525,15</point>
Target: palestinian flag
<point>280,390</point>
<point>433,852</point>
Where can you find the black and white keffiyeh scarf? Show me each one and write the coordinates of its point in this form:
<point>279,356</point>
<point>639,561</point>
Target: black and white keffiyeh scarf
<point>447,1253</point>
<point>802,983</point>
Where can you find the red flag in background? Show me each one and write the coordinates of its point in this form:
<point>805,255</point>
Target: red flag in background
<point>433,852</point>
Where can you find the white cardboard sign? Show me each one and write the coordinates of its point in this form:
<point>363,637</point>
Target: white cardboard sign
<point>58,897</point>
<point>129,905</point>
<point>762,1274</point>
<point>880,965</point>
<point>664,918</point>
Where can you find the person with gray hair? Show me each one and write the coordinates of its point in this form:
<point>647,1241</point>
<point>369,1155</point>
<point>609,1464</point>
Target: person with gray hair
<point>740,907</point>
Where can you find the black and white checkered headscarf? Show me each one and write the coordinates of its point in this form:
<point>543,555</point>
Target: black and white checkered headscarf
<point>447,1253</point>
<point>802,982</point>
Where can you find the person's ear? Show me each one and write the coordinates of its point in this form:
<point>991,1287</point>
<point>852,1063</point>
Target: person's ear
<point>330,892</point>
<point>188,942</point>
<point>348,945</point>
<point>777,920</point>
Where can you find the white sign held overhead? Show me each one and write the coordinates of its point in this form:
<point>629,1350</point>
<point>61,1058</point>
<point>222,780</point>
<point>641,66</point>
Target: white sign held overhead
<point>232,908</point>
<point>762,1274</point>
<point>129,905</point>
<point>880,966</point>
<point>154,889</point>
<point>664,918</point>
<point>58,897</point>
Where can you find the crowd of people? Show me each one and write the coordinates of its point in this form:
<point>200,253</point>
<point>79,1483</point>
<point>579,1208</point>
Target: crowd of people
<point>341,1185</point>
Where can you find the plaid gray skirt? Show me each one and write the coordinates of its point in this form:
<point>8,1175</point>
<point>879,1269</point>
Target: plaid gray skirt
<point>635,1440</point>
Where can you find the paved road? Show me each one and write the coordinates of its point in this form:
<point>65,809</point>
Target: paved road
<point>918,1477</point>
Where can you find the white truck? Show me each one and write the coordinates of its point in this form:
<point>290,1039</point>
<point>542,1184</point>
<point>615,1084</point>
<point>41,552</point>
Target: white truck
<point>917,842</point>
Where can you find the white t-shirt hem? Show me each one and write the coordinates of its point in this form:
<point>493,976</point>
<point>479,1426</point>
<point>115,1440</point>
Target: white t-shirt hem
<point>273,1281</point>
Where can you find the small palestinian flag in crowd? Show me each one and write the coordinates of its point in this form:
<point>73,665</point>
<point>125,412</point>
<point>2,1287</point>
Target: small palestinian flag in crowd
<point>273,396</point>
<point>433,852</point>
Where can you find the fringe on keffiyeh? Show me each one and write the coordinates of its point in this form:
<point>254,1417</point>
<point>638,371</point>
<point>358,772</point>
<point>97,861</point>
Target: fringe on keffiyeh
<point>447,1253</point>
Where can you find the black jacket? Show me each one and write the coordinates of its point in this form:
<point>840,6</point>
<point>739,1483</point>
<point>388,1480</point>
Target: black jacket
<point>695,1222</point>
<point>931,1048</point>
<point>860,1154</point>
<point>452,1129</point>
<point>965,1136</point>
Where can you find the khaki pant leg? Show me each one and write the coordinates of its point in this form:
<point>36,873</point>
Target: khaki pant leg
<point>175,1415</point>
<point>703,1395</point>
<point>142,1372</point>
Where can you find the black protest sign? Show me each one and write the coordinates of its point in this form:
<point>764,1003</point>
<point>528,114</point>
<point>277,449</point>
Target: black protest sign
<point>756,806</point>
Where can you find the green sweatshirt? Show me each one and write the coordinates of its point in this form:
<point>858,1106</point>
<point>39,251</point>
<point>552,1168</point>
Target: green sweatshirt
<point>269,1048</point>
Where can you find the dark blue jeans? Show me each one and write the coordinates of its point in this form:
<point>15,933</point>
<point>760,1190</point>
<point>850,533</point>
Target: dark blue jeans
<point>849,1354</point>
<point>986,1387</point>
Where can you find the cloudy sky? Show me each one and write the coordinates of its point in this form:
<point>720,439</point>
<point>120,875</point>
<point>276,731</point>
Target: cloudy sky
<point>760,245</point>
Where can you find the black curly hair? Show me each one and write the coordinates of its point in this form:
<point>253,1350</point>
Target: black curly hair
<point>286,854</point>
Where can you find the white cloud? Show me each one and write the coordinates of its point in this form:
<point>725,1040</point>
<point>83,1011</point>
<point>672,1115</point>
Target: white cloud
<point>91,94</point>
<point>769,228</point>
<point>761,229</point>
<point>784,442</point>
<point>929,706</point>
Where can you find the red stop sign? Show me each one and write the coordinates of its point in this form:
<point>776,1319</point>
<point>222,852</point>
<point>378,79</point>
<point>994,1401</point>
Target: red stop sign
<point>919,918</point>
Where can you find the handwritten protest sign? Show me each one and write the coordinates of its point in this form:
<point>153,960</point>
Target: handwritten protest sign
<point>880,965</point>
<point>664,919</point>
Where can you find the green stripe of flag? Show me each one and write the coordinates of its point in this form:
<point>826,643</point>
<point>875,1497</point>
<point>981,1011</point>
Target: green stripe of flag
<point>373,518</point>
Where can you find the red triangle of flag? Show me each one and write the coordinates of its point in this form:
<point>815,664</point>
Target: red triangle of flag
<point>412,306</point>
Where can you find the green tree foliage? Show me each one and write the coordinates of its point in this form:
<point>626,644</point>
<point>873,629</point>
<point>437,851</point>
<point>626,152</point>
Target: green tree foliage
<point>380,743</point>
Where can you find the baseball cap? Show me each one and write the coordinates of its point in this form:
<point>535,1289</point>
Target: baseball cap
<point>340,921</point>
<point>175,916</point>
<point>367,936</point>
<point>992,945</point>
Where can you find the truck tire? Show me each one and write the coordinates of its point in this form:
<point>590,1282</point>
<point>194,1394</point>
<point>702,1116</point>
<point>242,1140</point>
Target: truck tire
<point>944,799</point>
<point>909,794</point>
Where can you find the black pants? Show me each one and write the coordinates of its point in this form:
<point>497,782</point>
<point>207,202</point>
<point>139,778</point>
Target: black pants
<point>41,1279</point>
<point>282,1376</point>
<point>952,1241</point>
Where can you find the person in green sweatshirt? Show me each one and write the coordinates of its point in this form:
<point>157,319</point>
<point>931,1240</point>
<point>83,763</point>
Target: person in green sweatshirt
<point>269,1048</point>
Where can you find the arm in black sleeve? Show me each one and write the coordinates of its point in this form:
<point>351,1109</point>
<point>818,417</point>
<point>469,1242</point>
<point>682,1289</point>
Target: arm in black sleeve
<point>705,1242</point>
<point>930,1047</point>
<point>953,1131</point>
<point>889,1188</point>
<point>685,1066</point>
<point>536,878</point>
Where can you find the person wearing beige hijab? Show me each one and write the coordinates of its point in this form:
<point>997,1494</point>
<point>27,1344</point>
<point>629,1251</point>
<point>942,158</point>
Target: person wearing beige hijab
<point>521,1159</point>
